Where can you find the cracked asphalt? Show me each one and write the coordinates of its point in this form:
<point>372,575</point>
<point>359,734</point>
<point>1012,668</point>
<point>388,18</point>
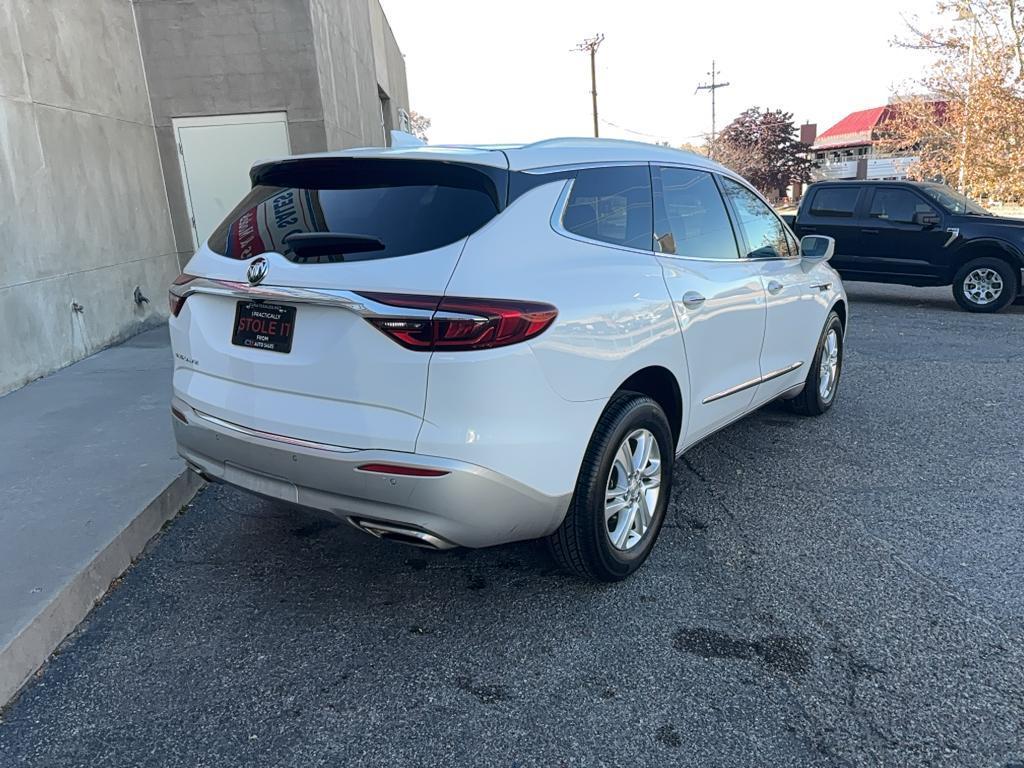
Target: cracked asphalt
<point>840,591</point>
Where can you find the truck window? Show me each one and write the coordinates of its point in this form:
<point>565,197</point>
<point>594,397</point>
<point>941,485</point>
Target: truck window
<point>835,201</point>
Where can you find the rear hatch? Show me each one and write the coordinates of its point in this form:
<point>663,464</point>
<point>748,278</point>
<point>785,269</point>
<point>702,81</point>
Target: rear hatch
<point>299,353</point>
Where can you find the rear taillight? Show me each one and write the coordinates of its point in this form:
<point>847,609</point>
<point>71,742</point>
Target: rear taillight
<point>458,323</point>
<point>176,296</point>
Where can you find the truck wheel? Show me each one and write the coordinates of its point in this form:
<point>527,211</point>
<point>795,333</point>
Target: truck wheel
<point>622,492</point>
<point>985,285</point>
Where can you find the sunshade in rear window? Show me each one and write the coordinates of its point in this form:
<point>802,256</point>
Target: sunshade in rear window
<point>352,209</point>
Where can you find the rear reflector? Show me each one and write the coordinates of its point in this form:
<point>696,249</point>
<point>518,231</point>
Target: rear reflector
<point>398,469</point>
<point>176,296</point>
<point>459,323</point>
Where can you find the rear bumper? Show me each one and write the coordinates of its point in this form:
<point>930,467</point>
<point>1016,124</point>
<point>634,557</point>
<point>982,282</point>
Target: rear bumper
<point>470,506</point>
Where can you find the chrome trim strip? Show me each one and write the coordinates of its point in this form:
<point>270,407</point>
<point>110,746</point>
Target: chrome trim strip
<point>752,383</point>
<point>349,300</point>
<point>272,436</point>
<point>583,165</point>
<point>731,391</point>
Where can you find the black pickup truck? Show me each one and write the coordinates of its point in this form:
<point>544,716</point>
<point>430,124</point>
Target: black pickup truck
<point>917,233</point>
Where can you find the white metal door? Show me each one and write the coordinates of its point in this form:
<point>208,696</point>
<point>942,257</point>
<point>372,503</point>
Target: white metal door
<point>721,311</point>
<point>216,153</point>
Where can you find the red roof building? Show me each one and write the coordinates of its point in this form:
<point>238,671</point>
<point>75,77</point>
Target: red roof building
<point>846,150</point>
<point>856,129</point>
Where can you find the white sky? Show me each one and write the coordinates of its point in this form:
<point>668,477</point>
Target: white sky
<point>488,71</point>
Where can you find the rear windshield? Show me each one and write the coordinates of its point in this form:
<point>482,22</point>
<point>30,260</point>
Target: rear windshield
<point>351,209</point>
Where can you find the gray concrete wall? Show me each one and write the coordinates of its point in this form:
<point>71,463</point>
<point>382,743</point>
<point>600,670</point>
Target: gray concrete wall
<point>343,39</point>
<point>227,57</point>
<point>388,62</point>
<point>83,209</point>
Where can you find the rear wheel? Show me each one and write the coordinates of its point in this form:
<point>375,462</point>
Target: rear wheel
<point>822,382</point>
<point>622,492</point>
<point>985,285</point>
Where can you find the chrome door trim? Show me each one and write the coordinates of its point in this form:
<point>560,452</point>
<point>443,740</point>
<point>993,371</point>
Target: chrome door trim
<point>751,383</point>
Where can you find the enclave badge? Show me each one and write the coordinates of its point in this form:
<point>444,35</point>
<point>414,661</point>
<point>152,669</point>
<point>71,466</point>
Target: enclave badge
<point>257,270</point>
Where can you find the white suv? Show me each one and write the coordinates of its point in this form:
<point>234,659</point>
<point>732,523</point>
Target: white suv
<point>466,346</point>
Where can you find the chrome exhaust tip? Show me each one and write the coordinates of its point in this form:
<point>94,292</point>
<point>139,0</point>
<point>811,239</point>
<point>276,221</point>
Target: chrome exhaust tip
<point>402,534</point>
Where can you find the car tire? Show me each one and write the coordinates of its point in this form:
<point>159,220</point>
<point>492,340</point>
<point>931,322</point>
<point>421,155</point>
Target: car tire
<point>602,546</point>
<point>822,383</point>
<point>974,283</point>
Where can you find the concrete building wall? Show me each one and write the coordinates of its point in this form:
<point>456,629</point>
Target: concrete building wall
<point>83,209</point>
<point>343,40</point>
<point>227,57</point>
<point>388,62</point>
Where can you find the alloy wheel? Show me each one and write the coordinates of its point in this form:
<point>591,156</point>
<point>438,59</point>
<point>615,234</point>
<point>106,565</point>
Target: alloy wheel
<point>632,490</point>
<point>983,286</point>
<point>828,372</point>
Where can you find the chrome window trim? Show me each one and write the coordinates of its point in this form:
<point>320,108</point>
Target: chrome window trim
<point>544,170</point>
<point>751,383</point>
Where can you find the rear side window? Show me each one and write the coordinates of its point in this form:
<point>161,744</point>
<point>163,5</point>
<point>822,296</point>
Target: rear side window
<point>349,209</point>
<point>612,205</point>
<point>835,201</point>
<point>898,205</point>
<point>690,217</point>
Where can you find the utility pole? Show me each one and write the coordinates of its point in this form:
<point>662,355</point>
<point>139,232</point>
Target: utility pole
<point>712,86</point>
<point>590,45</point>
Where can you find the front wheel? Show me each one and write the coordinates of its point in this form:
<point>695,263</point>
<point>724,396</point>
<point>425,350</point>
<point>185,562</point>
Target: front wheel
<point>985,285</point>
<point>822,382</point>
<point>622,492</point>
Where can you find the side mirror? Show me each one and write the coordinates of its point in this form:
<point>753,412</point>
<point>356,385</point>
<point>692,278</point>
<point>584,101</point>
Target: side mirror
<point>817,247</point>
<point>926,219</point>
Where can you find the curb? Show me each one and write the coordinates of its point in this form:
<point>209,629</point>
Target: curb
<point>30,649</point>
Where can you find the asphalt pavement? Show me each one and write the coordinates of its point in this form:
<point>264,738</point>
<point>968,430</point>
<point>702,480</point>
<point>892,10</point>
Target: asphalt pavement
<point>840,591</point>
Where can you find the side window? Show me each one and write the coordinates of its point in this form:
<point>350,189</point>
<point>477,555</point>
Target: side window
<point>897,205</point>
<point>612,205</point>
<point>690,216</point>
<point>766,237</point>
<point>835,201</point>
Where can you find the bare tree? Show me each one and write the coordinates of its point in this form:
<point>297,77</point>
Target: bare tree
<point>418,125</point>
<point>968,127</point>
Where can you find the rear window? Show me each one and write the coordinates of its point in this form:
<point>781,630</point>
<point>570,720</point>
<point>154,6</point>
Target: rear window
<point>612,205</point>
<point>835,201</point>
<point>351,209</point>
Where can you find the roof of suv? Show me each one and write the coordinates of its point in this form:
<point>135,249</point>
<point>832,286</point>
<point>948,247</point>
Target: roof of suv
<point>550,153</point>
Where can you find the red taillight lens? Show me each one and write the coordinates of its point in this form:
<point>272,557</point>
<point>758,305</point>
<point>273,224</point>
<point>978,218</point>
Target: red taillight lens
<point>398,469</point>
<point>176,296</point>
<point>459,323</point>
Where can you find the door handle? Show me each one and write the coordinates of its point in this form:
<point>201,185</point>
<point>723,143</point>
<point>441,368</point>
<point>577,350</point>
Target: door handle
<point>870,231</point>
<point>692,300</point>
<point>774,286</point>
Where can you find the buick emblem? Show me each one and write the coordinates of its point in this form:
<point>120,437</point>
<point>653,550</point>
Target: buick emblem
<point>257,270</point>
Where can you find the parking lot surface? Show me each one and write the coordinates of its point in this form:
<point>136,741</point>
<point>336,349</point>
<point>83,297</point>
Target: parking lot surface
<point>847,590</point>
